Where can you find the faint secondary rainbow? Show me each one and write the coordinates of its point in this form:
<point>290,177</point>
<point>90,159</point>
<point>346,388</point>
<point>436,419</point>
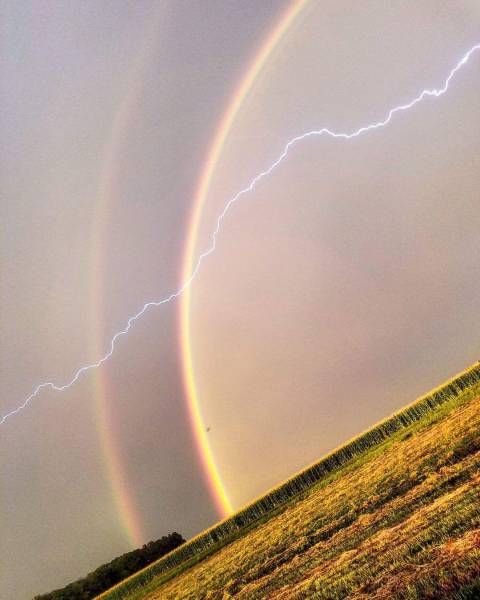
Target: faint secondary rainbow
<point>122,493</point>
<point>238,97</point>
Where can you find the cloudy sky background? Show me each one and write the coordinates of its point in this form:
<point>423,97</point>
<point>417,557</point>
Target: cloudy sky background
<point>343,286</point>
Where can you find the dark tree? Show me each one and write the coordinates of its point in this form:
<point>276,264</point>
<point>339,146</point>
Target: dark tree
<point>119,568</point>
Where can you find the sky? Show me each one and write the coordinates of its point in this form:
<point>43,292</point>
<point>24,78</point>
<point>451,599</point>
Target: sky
<point>343,286</point>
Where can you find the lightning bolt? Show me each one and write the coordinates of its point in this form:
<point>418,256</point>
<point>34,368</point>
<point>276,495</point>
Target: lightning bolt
<point>436,93</point>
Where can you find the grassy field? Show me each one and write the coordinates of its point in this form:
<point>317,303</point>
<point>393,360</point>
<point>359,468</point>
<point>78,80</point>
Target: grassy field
<point>394,513</point>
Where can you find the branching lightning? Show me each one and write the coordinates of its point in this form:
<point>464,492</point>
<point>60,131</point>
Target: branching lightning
<point>437,92</point>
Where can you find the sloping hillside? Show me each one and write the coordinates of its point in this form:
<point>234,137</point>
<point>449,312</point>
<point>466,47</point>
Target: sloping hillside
<point>394,513</point>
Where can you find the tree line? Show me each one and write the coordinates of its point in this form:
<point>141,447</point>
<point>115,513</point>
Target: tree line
<point>116,570</point>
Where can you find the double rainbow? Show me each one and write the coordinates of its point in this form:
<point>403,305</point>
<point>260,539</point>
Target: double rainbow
<point>115,466</point>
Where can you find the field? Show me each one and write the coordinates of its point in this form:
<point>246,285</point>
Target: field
<point>394,513</point>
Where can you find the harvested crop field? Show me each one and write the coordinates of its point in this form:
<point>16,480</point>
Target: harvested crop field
<point>399,520</point>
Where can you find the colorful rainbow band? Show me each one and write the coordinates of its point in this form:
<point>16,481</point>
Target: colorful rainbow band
<point>241,92</point>
<point>116,472</point>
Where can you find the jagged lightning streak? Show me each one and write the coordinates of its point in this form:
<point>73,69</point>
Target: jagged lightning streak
<point>315,132</point>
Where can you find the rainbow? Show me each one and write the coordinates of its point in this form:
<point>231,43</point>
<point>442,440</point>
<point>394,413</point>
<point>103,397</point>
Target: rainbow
<point>217,488</point>
<point>122,494</point>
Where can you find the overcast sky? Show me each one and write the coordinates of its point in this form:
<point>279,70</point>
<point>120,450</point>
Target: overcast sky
<point>343,286</point>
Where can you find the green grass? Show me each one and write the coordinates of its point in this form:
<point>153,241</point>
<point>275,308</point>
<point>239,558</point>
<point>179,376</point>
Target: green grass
<point>310,536</point>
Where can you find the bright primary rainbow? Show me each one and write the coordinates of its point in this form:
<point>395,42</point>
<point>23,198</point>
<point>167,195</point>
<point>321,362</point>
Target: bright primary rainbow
<point>239,95</point>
